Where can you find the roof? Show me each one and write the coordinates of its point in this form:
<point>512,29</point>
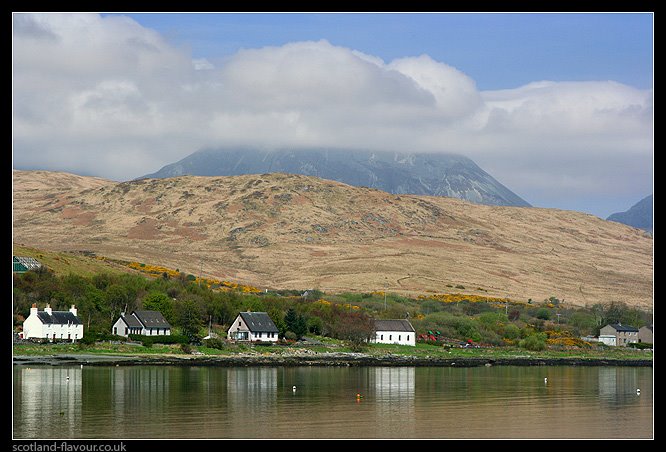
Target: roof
<point>393,325</point>
<point>131,321</point>
<point>58,318</point>
<point>151,319</point>
<point>620,327</point>
<point>259,322</point>
<point>28,262</point>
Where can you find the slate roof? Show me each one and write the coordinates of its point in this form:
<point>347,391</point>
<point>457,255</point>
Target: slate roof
<point>131,321</point>
<point>624,328</point>
<point>393,325</point>
<point>151,319</point>
<point>259,322</point>
<point>58,318</point>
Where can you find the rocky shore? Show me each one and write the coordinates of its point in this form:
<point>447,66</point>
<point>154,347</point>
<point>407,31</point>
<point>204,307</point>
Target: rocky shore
<point>322,359</point>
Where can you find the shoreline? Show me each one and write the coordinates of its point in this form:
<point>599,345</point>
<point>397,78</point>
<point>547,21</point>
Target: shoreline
<point>322,360</point>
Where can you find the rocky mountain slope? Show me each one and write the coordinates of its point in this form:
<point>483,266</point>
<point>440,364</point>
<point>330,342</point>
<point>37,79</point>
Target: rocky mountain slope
<point>398,173</point>
<point>293,231</point>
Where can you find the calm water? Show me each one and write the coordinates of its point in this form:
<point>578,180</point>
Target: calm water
<point>258,402</point>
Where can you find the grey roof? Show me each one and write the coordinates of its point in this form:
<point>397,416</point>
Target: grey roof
<point>393,325</point>
<point>131,321</point>
<point>151,319</point>
<point>620,327</point>
<point>259,322</point>
<point>58,318</point>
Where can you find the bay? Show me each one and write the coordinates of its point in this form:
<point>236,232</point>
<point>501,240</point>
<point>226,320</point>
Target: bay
<point>127,402</point>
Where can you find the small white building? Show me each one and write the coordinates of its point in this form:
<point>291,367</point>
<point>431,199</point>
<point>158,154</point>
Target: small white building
<point>145,323</point>
<point>394,332</point>
<point>253,326</point>
<point>52,325</point>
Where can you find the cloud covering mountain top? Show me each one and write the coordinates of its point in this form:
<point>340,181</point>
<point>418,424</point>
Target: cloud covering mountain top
<point>106,96</point>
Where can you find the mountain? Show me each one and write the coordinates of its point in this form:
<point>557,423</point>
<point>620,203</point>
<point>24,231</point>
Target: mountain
<point>398,173</point>
<point>292,231</point>
<point>639,215</point>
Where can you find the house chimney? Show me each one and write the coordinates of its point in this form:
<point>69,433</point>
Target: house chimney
<point>47,309</point>
<point>33,309</point>
<point>73,310</point>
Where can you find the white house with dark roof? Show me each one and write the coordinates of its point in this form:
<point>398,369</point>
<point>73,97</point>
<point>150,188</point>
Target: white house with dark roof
<point>145,323</point>
<point>394,332</point>
<point>253,326</point>
<point>52,325</point>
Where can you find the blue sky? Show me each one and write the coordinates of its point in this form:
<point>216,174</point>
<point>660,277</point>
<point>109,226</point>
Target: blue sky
<point>499,50</point>
<point>558,107</point>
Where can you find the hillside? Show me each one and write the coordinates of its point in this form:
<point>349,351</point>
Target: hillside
<point>639,215</point>
<point>291,231</point>
<point>435,174</point>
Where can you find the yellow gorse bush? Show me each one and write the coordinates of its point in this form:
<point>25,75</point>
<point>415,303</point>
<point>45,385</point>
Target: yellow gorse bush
<point>158,270</point>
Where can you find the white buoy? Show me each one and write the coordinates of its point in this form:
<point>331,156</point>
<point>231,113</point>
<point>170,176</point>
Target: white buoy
<point>293,388</point>
<point>545,380</point>
<point>81,366</point>
<point>638,391</point>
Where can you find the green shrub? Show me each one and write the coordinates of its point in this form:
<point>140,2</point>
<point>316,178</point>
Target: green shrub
<point>214,343</point>
<point>640,345</point>
<point>534,342</point>
<point>543,314</point>
<point>147,341</point>
<point>186,348</point>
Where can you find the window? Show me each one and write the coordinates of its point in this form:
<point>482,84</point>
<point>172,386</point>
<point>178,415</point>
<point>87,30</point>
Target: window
<point>259,334</point>
<point>400,337</point>
<point>408,337</point>
<point>381,337</point>
<point>69,336</point>
<point>150,331</point>
<point>390,337</point>
<point>125,331</point>
<point>239,323</point>
<point>115,330</point>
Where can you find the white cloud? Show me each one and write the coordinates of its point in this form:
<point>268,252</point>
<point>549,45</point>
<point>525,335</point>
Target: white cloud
<point>106,96</point>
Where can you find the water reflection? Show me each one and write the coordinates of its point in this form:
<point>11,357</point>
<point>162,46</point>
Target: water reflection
<point>398,402</point>
<point>394,389</point>
<point>47,394</point>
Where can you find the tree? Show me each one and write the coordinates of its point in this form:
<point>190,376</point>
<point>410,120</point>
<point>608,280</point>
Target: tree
<point>189,319</point>
<point>158,301</point>
<point>295,323</point>
<point>543,314</point>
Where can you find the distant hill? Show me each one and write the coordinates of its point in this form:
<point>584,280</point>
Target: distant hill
<point>393,172</point>
<point>639,215</point>
<point>288,231</point>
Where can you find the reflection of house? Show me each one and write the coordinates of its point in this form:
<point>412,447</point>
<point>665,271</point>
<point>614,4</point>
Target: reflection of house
<point>253,326</point>
<point>618,334</point>
<point>646,334</point>
<point>52,325</point>
<point>394,332</point>
<point>145,323</point>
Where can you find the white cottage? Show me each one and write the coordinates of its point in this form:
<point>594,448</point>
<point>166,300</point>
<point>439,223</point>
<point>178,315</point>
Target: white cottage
<point>394,332</point>
<point>52,325</point>
<point>145,323</point>
<point>253,326</point>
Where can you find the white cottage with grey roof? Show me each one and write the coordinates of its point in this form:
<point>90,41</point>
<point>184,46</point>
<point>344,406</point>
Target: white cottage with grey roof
<point>52,325</point>
<point>253,326</point>
<point>394,332</point>
<point>145,323</point>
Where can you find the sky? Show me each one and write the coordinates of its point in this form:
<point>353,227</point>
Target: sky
<point>558,107</point>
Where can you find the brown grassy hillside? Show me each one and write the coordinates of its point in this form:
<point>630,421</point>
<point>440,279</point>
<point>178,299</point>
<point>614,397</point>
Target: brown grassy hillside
<point>288,231</point>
